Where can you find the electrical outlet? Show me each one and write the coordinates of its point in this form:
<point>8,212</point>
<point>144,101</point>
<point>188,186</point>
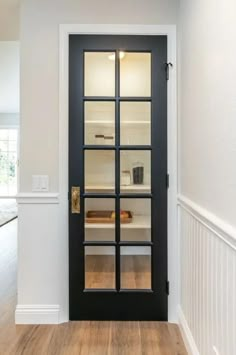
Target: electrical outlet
<point>215,350</point>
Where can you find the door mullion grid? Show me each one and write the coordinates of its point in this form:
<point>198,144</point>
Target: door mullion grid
<point>117,172</point>
<point>117,149</point>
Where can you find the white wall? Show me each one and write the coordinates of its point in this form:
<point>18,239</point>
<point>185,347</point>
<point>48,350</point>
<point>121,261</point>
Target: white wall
<point>207,174</point>
<point>9,76</point>
<point>39,68</point>
<point>42,270</point>
<point>208,105</point>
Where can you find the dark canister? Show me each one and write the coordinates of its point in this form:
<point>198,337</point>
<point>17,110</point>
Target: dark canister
<point>138,173</point>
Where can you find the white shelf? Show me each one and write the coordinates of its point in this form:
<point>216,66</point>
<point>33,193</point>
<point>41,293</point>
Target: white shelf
<point>135,188</point>
<point>138,222</point>
<point>112,123</point>
<point>122,188</point>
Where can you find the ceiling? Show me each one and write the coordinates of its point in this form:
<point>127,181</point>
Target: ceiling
<point>9,3</point>
<point>9,20</point>
<point>9,55</point>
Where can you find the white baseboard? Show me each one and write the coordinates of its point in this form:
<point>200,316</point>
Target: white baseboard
<point>186,334</point>
<point>37,314</point>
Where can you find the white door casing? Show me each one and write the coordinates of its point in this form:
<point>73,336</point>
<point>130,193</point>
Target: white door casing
<point>170,32</point>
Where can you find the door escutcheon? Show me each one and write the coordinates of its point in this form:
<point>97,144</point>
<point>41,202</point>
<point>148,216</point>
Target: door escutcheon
<point>75,199</point>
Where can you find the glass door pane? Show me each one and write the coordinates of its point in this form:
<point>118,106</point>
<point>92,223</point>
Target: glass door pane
<point>135,123</point>
<point>138,227</point>
<point>135,171</point>
<point>99,219</point>
<point>99,74</point>
<point>99,267</point>
<point>99,170</point>
<point>99,125</point>
<point>135,74</point>
<point>135,267</point>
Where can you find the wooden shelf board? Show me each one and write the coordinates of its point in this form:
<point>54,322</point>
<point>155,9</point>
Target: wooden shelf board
<point>122,188</point>
<point>113,123</point>
<point>138,222</point>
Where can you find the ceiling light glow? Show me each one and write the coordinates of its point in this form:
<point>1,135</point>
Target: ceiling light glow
<point>113,55</point>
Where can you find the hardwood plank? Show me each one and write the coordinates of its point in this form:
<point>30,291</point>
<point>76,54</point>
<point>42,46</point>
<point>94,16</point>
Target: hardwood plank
<point>125,338</point>
<point>177,339</point>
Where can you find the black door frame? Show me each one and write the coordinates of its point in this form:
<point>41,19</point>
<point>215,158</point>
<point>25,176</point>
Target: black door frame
<point>160,72</point>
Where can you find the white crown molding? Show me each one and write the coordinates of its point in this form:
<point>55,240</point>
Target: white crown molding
<point>37,314</point>
<point>221,229</point>
<point>37,198</point>
<point>186,334</point>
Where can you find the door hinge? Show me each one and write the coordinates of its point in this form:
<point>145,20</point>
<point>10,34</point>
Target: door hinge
<point>167,181</point>
<point>167,68</point>
<point>168,287</point>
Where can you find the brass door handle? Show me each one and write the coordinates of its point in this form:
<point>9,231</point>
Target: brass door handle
<point>75,199</point>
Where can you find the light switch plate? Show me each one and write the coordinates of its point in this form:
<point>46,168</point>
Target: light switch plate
<point>40,183</point>
<point>35,183</point>
<point>44,182</point>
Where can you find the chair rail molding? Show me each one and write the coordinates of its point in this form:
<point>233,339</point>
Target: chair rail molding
<point>36,198</point>
<point>220,228</point>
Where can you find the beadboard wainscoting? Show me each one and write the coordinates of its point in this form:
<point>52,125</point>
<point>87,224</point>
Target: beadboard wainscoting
<point>207,312</point>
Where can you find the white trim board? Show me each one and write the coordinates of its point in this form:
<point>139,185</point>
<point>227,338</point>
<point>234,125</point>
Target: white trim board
<point>37,314</point>
<point>186,334</point>
<point>173,257</point>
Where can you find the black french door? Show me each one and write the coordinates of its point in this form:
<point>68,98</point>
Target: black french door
<point>117,177</point>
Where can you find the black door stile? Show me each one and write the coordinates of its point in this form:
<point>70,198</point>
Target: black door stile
<point>119,304</point>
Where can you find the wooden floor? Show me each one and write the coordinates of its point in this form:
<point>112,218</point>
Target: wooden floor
<point>74,338</point>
